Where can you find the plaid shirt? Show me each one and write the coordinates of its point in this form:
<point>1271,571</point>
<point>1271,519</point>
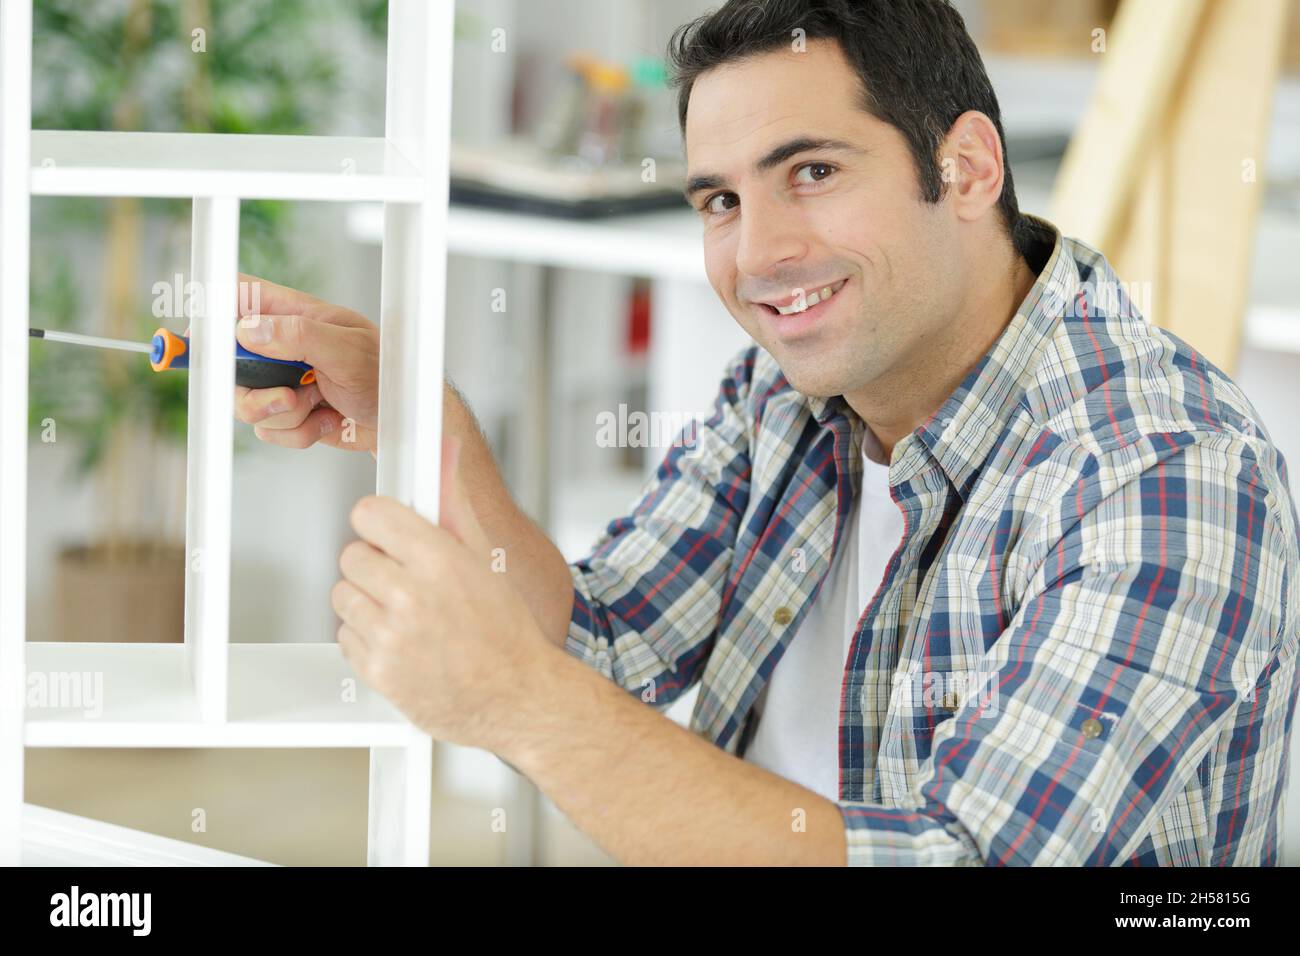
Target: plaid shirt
<point>1082,651</point>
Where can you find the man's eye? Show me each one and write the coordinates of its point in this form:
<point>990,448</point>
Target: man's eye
<point>813,173</point>
<point>721,203</point>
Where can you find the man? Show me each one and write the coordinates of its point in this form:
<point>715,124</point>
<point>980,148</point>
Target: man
<point>971,564</point>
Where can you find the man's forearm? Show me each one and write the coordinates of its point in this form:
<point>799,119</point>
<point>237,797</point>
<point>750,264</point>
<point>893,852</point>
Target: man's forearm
<point>651,792</point>
<point>533,565</point>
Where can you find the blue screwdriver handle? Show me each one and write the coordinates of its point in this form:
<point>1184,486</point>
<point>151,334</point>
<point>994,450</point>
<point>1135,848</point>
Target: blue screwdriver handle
<point>251,369</point>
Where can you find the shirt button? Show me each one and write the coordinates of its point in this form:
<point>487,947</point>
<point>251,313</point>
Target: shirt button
<point>1091,728</point>
<point>783,616</point>
<point>950,701</point>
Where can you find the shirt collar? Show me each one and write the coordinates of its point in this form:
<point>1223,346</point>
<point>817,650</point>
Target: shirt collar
<point>960,434</point>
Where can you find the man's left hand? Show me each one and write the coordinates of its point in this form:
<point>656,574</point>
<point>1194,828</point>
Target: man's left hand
<point>427,622</point>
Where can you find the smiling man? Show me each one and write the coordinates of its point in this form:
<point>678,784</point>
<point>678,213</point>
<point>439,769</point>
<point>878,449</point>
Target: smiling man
<point>971,564</point>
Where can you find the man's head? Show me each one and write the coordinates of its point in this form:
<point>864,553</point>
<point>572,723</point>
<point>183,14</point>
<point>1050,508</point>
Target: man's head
<point>854,145</point>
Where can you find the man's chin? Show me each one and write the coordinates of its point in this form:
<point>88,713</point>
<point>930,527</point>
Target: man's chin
<point>812,383</point>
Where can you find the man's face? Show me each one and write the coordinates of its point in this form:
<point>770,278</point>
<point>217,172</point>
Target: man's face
<point>802,191</point>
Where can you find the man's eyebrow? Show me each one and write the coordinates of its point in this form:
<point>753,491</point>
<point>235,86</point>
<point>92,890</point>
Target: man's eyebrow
<point>698,183</point>
<point>802,144</point>
<point>775,157</point>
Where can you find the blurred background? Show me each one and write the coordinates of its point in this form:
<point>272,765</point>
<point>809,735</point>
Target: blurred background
<point>576,292</point>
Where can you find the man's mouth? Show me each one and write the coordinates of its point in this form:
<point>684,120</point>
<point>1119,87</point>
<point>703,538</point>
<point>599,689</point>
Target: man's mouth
<point>801,300</point>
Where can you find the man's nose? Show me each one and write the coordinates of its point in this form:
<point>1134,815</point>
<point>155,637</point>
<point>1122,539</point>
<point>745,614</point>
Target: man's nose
<point>771,233</point>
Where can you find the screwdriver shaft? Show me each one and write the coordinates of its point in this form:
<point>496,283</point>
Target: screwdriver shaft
<point>92,340</point>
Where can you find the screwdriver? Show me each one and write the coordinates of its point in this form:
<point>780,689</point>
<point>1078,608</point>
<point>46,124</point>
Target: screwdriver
<point>169,351</point>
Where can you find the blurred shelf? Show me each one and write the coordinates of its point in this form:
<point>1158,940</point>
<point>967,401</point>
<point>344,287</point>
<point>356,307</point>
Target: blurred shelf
<point>78,163</point>
<point>1273,328</point>
<point>659,245</point>
<point>53,838</point>
<point>281,695</point>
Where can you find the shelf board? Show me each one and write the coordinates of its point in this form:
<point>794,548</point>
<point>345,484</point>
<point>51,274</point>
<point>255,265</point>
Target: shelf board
<point>83,163</point>
<point>54,838</point>
<point>1273,328</point>
<point>281,695</point>
<point>659,245</point>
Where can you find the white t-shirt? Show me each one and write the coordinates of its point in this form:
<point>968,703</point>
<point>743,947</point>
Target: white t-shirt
<point>798,733</point>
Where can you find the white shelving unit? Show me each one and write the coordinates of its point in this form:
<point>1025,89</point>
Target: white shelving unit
<point>208,691</point>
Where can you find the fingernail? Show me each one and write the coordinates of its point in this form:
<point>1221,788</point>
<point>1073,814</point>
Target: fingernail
<point>257,328</point>
<point>326,425</point>
<point>276,407</point>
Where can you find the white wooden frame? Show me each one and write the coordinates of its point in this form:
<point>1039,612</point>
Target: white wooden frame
<point>15,123</point>
<point>208,692</point>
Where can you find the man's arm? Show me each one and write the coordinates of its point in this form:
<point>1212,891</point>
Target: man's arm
<point>1153,618</point>
<point>650,792</point>
<point>429,626</point>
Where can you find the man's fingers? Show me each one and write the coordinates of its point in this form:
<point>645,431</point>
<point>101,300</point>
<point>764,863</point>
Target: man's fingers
<point>355,650</point>
<point>374,586</point>
<point>354,604</point>
<point>254,404</point>
<point>321,422</point>
<point>279,407</point>
<point>395,529</point>
<point>349,436</point>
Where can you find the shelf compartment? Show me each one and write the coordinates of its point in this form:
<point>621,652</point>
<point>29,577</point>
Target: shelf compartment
<point>281,695</point>
<point>341,168</point>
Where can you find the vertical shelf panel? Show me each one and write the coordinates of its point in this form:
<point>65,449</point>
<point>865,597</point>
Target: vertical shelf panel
<point>412,303</point>
<point>413,300</point>
<point>15,226</point>
<point>215,273</point>
<point>401,778</point>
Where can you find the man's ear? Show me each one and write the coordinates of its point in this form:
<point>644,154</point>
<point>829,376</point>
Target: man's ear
<point>971,165</point>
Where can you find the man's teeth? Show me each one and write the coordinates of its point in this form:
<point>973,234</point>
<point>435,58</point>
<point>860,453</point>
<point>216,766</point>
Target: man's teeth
<point>807,302</point>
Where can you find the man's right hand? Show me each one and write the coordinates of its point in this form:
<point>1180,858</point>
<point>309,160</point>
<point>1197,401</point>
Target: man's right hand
<point>343,347</point>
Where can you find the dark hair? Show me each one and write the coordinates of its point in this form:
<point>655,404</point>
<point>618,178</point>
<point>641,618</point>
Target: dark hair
<point>919,68</point>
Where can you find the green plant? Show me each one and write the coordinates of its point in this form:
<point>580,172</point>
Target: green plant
<point>261,66</point>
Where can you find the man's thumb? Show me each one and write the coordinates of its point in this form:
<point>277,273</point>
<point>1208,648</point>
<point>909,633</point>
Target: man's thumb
<point>454,510</point>
<point>290,337</point>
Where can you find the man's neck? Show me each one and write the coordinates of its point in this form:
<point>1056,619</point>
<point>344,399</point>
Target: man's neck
<point>893,409</point>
